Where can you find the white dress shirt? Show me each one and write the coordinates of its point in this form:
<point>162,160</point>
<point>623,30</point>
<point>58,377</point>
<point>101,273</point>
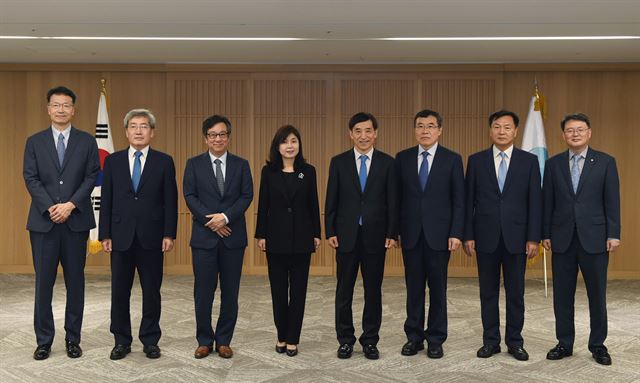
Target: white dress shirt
<point>65,133</point>
<point>431,156</point>
<point>223,166</point>
<point>132,158</point>
<point>583,158</point>
<point>369,154</point>
<point>497,159</point>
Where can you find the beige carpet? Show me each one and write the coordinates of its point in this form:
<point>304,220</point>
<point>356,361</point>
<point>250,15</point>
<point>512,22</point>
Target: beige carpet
<point>256,361</point>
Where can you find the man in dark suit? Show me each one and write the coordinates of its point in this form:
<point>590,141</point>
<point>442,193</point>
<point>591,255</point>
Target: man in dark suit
<point>138,219</point>
<point>503,223</point>
<point>431,190</point>
<point>61,165</point>
<point>361,224</point>
<point>581,225</point>
<point>218,189</point>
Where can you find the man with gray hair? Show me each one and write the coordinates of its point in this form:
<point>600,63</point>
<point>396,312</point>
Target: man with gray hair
<point>138,219</point>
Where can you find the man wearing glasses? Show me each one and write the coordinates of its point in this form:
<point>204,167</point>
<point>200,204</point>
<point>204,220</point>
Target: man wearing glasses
<point>60,169</point>
<point>218,189</point>
<point>138,220</point>
<point>581,225</point>
<point>431,190</point>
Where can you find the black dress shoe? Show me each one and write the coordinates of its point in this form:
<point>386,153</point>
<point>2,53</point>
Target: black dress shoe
<point>119,351</point>
<point>152,351</point>
<point>601,356</point>
<point>519,353</point>
<point>345,350</point>
<point>488,350</point>
<point>558,352</point>
<point>42,352</point>
<point>73,349</point>
<point>292,351</point>
<point>412,348</point>
<point>371,351</point>
<point>281,349</point>
<point>434,351</point>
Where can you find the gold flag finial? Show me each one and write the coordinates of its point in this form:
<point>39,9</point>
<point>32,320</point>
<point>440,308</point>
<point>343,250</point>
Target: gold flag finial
<point>540,102</point>
<point>103,86</point>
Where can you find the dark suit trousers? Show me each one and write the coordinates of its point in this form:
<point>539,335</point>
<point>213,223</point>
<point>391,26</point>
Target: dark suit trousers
<point>565,273</point>
<point>149,264</point>
<point>209,265</point>
<point>423,267</point>
<point>288,275</point>
<point>59,245</point>
<point>513,268</point>
<point>372,267</point>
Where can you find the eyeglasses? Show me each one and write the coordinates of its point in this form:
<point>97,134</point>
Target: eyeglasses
<point>61,106</point>
<point>572,131</point>
<point>141,127</point>
<point>221,135</point>
<point>427,127</point>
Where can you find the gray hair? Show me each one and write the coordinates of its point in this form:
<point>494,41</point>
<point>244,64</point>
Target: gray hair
<point>140,113</point>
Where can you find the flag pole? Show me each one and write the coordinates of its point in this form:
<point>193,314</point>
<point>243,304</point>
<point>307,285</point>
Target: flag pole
<point>544,260</point>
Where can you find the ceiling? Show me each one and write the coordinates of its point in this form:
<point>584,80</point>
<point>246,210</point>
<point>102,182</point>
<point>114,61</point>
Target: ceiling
<point>334,31</point>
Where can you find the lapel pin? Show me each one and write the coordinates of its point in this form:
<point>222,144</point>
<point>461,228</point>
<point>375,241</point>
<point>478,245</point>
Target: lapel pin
<point>301,176</point>
<point>592,160</point>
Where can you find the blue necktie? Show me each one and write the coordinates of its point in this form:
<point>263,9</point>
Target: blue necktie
<point>60,148</point>
<point>575,172</point>
<point>502,171</point>
<point>137,170</point>
<point>423,174</point>
<point>219,176</point>
<point>363,176</point>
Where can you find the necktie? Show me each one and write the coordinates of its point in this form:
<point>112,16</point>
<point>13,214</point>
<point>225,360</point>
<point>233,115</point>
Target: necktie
<point>363,176</point>
<point>575,172</point>
<point>137,170</point>
<point>423,174</point>
<point>502,171</point>
<point>60,148</point>
<point>219,176</point>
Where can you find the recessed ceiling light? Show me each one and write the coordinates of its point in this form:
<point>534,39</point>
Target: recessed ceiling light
<point>149,38</point>
<point>511,38</point>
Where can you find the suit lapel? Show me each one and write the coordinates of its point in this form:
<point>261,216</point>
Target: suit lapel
<point>413,169</point>
<point>211,176</point>
<point>49,144</point>
<point>589,163</point>
<point>514,164</point>
<point>564,169</point>
<point>374,169</point>
<point>231,171</point>
<point>71,146</point>
<point>433,171</point>
<point>491,168</point>
<point>352,169</point>
<point>149,166</point>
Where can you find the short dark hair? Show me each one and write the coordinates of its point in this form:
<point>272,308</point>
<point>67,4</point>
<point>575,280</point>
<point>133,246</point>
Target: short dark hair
<point>210,121</point>
<point>61,90</point>
<point>577,117</point>
<point>427,113</point>
<point>503,113</point>
<point>275,158</point>
<point>362,117</point>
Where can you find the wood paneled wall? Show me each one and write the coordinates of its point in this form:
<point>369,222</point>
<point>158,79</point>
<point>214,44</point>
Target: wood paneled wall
<point>318,100</point>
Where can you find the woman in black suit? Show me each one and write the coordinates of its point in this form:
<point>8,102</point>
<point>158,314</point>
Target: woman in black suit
<point>288,229</point>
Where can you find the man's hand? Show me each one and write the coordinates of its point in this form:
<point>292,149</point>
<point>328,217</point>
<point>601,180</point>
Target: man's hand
<point>107,245</point>
<point>216,221</point>
<point>390,243</point>
<point>454,244</point>
<point>262,244</point>
<point>333,242</point>
<point>470,248</point>
<point>612,245</point>
<point>546,243</point>
<point>59,213</point>
<point>224,231</point>
<point>532,249</point>
<point>316,243</point>
<point>167,244</point>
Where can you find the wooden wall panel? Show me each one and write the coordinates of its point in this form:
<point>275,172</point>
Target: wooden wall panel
<point>318,100</point>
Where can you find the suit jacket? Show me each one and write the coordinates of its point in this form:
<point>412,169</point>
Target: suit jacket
<point>203,197</point>
<point>377,205</point>
<point>438,211</point>
<point>49,183</point>
<point>594,210</point>
<point>289,220</point>
<point>515,213</point>
<point>151,213</point>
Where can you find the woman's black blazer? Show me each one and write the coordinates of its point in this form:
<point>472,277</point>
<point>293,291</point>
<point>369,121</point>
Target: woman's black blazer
<point>288,220</point>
